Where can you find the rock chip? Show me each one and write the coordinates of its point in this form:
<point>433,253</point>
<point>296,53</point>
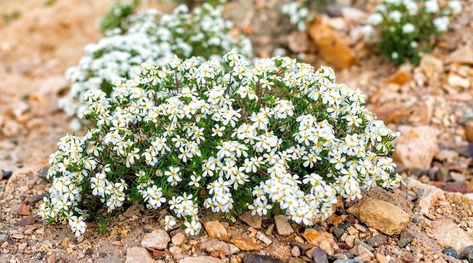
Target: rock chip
<point>401,77</point>
<point>426,194</point>
<point>449,235</point>
<point>201,259</point>
<point>332,48</point>
<point>178,239</point>
<point>138,255</point>
<point>255,258</point>
<point>431,65</point>
<point>245,243</point>
<point>280,252</point>
<point>282,225</point>
<point>457,81</point>
<point>377,240</point>
<point>322,239</point>
<point>416,148</point>
<point>251,220</point>
<point>215,229</point>
<point>463,55</point>
<point>381,215</point>
<point>264,238</point>
<point>298,42</point>
<point>319,255</point>
<point>451,252</point>
<point>156,240</point>
<point>467,253</point>
<point>469,131</point>
<point>215,246</point>
<point>405,238</point>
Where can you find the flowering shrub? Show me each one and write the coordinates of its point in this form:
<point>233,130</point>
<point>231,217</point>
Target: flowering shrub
<point>150,37</point>
<point>226,136</point>
<point>117,15</point>
<point>406,29</point>
<point>303,11</point>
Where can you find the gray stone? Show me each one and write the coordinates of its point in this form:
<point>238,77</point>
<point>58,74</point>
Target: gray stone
<point>320,256</point>
<point>405,238</point>
<point>467,253</point>
<point>255,258</point>
<point>376,241</point>
<point>282,225</point>
<point>138,255</point>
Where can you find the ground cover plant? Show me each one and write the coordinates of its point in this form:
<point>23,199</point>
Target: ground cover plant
<point>404,30</point>
<point>148,36</point>
<point>301,12</point>
<point>222,135</point>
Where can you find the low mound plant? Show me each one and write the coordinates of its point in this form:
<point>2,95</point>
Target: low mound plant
<point>405,30</point>
<point>301,12</point>
<point>228,136</point>
<point>152,37</point>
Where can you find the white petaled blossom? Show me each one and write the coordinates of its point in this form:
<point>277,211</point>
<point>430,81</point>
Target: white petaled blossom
<point>299,141</point>
<point>150,37</point>
<point>297,13</point>
<point>411,21</point>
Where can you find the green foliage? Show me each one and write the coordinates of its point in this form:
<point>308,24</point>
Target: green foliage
<point>117,15</point>
<point>405,30</point>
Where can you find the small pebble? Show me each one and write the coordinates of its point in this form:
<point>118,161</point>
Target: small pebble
<point>451,252</point>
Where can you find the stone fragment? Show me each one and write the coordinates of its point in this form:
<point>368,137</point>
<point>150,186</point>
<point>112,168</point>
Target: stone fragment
<point>280,252</point>
<point>24,209</point>
<point>156,240</point>
<point>138,255</point>
<point>449,235</point>
<point>467,253</point>
<point>405,238</point>
<point>251,220</point>
<point>178,239</point>
<point>255,258</point>
<point>451,252</point>
<point>377,240</point>
<point>469,131</point>
<point>245,243</point>
<point>463,55</point>
<point>332,48</point>
<point>401,77</point>
<point>215,246</point>
<point>201,259</point>
<point>264,238</point>
<point>298,42</point>
<point>458,82</point>
<point>282,225</point>
<point>319,256</point>
<point>431,66</point>
<point>426,194</point>
<point>322,239</point>
<point>295,251</point>
<point>416,148</point>
<point>215,229</point>
<point>381,215</point>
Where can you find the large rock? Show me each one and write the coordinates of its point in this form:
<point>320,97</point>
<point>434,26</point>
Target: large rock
<point>463,55</point>
<point>215,229</point>
<point>282,225</point>
<point>381,215</point>
<point>449,235</point>
<point>417,147</point>
<point>156,240</point>
<point>138,255</point>
<point>332,48</point>
<point>426,194</point>
<point>201,259</point>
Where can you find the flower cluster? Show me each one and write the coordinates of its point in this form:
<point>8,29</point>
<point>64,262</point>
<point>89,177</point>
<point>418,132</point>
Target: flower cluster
<point>222,135</point>
<point>151,37</point>
<point>405,29</point>
<point>301,12</point>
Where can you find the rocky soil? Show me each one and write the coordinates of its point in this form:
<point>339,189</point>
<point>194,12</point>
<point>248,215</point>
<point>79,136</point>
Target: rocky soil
<point>428,219</point>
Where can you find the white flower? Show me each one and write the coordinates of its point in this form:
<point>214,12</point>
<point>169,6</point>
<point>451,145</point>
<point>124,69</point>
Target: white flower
<point>395,16</point>
<point>431,6</point>
<point>375,19</point>
<point>408,28</point>
<point>456,6</point>
<point>441,23</point>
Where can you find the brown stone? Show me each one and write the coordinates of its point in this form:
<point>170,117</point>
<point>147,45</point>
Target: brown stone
<point>245,243</point>
<point>401,77</point>
<point>138,255</point>
<point>215,229</point>
<point>449,235</point>
<point>282,225</point>
<point>322,239</point>
<point>416,148</point>
<point>251,220</point>
<point>24,209</point>
<point>463,55</point>
<point>201,259</point>
<point>380,215</point>
<point>156,240</point>
<point>332,48</point>
<point>431,66</point>
<point>469,131</point>
<point>391,111</point>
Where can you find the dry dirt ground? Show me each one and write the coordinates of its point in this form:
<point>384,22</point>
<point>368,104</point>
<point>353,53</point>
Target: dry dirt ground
<point>40,39</point>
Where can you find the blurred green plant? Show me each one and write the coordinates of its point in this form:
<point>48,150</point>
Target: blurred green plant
<point>303,11</point>
<point>117,15</point>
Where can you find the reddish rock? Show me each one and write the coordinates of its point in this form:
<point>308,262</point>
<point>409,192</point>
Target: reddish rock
<point>401,77</point>
<point>469,131</point>
<point>215,229</point>
<point>332,48</point>
<point>245,243</point>
<point>24,209</point>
